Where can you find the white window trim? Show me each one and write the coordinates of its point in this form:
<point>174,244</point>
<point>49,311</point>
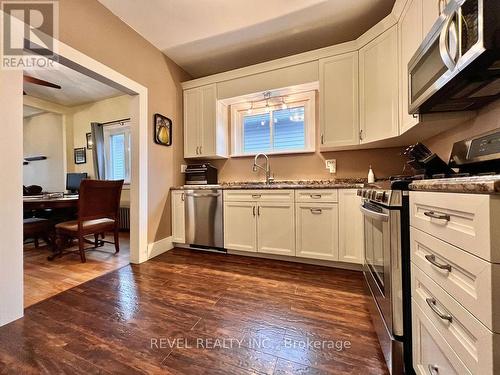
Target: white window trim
<point>239,110</point>
<point>108,131</point>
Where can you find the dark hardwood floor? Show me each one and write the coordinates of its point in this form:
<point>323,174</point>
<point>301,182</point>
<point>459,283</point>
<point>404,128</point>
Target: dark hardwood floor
<point>188,312</point>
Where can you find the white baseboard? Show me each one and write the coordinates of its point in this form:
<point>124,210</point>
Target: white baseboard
<point>160,247</point>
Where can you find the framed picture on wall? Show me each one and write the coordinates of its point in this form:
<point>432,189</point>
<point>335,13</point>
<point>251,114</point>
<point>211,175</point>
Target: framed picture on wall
<point>162,130</point>
<point>89,141</point>
<point>80,155</point>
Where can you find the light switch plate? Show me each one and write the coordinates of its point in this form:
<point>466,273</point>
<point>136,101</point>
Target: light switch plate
<point>183,168</point>
<point>331,165</point>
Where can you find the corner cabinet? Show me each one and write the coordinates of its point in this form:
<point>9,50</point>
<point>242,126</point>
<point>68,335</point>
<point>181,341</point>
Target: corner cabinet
<point>379,87</point>
<point>178,220</point>
<point>205,124</point>
<point>339,100</point>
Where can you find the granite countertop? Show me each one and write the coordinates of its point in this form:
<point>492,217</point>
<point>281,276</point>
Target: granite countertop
<point>474,184</point>
<point>343,183</point>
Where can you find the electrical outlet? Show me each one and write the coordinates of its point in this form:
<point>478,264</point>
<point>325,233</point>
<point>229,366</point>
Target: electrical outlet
<point>331,165</point>
<point>183,168</point>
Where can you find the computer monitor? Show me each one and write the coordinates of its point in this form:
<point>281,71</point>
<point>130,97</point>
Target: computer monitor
<point>73,181</point>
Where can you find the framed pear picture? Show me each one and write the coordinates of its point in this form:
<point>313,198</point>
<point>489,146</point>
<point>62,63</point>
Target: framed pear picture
<point>162,130</point>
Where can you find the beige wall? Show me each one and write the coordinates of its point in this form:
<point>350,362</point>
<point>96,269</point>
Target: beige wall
<point>487,119</point>
<point>92,29</point>
<point>43,135</point>
<point>385,162</point>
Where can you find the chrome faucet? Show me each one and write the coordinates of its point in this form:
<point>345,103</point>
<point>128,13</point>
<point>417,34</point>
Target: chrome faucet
<point>266,168</point>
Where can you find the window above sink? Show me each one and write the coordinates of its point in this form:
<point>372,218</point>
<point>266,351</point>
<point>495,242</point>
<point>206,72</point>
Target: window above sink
<point>274,123</point>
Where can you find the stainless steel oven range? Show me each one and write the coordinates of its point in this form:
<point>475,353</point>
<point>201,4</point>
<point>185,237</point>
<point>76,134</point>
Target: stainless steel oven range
<point>387,268</point>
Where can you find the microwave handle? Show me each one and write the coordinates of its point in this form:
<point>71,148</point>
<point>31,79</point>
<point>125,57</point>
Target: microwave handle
<point>444,49</point>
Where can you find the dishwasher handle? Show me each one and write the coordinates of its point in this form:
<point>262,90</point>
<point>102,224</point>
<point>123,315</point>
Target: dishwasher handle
<point>202,195</point>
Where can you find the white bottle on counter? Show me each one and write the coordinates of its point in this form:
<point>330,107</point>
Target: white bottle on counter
<point>371,176</point>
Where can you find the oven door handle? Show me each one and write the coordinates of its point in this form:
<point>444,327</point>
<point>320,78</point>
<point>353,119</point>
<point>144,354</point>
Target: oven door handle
<point>373,214</point>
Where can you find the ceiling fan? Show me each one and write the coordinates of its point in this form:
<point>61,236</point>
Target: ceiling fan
<point>38,81</point>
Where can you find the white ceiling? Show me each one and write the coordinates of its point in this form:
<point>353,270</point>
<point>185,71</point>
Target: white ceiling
<point>210,36</point>
<point>76,88</point>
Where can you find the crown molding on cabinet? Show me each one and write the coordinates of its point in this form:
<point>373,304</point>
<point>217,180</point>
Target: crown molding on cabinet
<point>304,57</point>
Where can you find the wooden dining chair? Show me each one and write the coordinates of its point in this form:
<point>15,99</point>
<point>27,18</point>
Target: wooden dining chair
<point>98,207</point>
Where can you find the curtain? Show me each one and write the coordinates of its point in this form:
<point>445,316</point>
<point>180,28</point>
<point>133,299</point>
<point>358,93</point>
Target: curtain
<point>98,142</point>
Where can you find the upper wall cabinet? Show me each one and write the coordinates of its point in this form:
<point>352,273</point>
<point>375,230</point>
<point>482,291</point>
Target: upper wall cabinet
<point>339,98</point>
<point>379,87</point>
<point>205,125</point>
<point>410,37</point>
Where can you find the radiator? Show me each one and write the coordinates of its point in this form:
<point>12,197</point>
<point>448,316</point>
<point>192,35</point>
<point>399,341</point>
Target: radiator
<point>124,218</point>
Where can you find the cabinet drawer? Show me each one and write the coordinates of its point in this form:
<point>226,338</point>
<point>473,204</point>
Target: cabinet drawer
<point>474,344</point>
<point>316,195</point>
<point>275,195</point>
<point>470,280</point>
<point>464,220</point>
<point>430,349</point>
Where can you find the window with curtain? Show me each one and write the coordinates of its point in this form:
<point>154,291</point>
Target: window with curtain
<point>117,152</point>
<point>274,129</point>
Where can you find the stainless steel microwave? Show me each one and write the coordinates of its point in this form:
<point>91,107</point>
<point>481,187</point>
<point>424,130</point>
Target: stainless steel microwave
<point>457,67</point>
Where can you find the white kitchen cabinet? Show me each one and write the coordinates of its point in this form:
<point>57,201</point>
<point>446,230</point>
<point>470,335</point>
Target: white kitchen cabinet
<point>276,228</point>
<point>178,222</point>
<point>240,226</point>
<point>431,11</point>
<point>205,126</point>
<point>350,227</point>
<point>339,100</point>
<point>379,87</point>
<point>410,38</point>
<point>317,230</point>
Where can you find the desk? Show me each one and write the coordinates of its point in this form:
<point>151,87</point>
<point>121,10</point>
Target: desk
<point>41,203</point>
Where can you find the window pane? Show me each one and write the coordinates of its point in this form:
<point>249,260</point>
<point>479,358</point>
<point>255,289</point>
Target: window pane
<point>289,129</point>
<point>256,133</point>
<point>118,156</point>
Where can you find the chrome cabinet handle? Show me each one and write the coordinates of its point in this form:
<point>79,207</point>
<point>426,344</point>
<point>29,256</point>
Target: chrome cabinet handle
<point>316,211</point>
<point>434,215</point>
<point>361,135</point>
<point>431,258</point>
<point>315,196</point>
<point>432,304</point>
<point>322,139</point>
<point>253,210</point>
<point>256,195</point>
<point>433,370</point>
<point>258,211</point>
<point>202,195</point>
<point>197,150</point>
<point>183,197</point>
<point>201,150</point>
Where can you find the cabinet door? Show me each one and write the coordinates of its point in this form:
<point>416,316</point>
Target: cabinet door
<point>208,130</point>
<point>379,87</point>
<point>276,228</point>
<point>192,118</point>
<point>339,99</point>
<point>240,227</point>
<point>178,224</point>
<point>317,230</point>
<point>350,227</point>
<point>410,37</point>
<point>431,9</point>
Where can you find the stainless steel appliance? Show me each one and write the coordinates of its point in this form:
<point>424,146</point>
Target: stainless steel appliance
<point>457,67</point>
<point>203,218</point>
<point>200,174</point>
<point>387,268</point>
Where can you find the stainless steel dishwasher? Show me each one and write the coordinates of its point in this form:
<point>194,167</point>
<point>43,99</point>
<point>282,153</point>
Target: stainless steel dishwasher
<point>204,226</point>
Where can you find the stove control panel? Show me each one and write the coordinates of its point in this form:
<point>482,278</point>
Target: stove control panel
<point>385,197</point>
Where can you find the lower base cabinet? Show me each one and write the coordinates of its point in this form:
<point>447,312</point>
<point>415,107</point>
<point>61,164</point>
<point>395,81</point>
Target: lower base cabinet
<point>351,244</point>
<point>178,220</point>
<point>240,227</point>
<point>276,228</point>
<point>317,230</point>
